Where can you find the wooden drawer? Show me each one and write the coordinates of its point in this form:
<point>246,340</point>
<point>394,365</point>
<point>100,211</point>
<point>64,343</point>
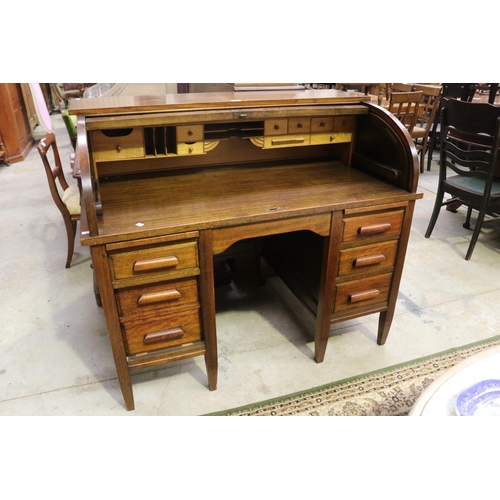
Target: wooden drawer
<point>379,257</point>
<point>331,138</point>
<point>321,125</point>
<point>362,293</point>
<point>286,141</point>
<point>369,227</point>
<point>158,262</point>
<point>161,333</point>
<point>299,125</point>
<point>162,297</point>
<point>344,123</point>
<point>185,149</point>
<point>120,144</point>
<point>190,133</point>
<point>276,127</point>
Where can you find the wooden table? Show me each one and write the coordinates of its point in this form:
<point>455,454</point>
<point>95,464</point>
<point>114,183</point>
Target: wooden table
<point>320,185</point>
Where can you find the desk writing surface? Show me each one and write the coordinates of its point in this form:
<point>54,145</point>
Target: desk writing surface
<point>230,196</point>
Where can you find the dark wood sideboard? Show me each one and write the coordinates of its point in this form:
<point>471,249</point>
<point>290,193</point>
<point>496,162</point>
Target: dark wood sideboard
<point>320,183</point>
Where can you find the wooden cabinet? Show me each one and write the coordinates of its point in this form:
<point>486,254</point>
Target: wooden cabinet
<point>15,132</point>
<point>320,185</point>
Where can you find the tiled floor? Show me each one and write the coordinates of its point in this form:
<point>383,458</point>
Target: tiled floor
<point>55,357</point>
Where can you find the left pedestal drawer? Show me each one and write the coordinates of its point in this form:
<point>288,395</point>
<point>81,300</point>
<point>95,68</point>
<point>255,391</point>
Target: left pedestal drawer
<point>176,329</point>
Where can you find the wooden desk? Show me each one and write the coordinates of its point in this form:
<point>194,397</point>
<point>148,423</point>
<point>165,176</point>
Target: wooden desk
<point>321,184</point>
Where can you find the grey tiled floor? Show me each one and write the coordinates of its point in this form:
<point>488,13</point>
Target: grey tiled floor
<point>55,357</point>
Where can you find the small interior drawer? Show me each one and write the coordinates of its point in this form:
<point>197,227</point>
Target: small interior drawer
<point>320,125</point>
<point>156,262</point>
<point>190,133</point>
<point>276,127</point>
<point>362,293</point>
<point>186,149</point>
<point>163,332</point>
<point>379,257</point>
<point>119,144</point>
<point>162,297</point>
<point>286,141</point>
<point>369,227</point>
<point>299,125</point>
<point>344,123</point>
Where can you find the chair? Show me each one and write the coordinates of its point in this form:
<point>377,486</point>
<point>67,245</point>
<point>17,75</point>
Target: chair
<point>67,198</point>
<point>462,91</point>
<point>405,107</point>
<point>470,138</point>
<point>70,122</point>
<point>41,110</point>
<point>425,118</point>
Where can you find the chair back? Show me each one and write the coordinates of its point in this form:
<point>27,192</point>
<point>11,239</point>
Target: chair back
<point>470,138</point>
<point>405,107</point>
<point>70,122</point>
<point>429,103</point>
<point>55,173</point>
<point>42,112</point>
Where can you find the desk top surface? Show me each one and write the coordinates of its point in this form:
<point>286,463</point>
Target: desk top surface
<point>211,101</point>
<point>210,198</point>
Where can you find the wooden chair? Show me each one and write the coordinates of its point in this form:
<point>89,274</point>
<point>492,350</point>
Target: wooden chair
<point>428,106</point>
<point>66,197</point>
<point>70,122</point>
<point>405,107</point>
<point>462,91</point>
<point>470,138</point>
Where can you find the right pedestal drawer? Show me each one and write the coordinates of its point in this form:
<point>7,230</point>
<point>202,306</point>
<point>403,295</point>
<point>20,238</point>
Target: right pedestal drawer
<point>367,258</point>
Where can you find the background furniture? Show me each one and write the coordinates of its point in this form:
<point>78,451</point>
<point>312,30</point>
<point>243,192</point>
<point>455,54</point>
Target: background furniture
<point>292,175</point>
<point>462,91</point>
<point>15,132</point>
<point>405,107</point>
<point>66,197</point>
<point>470,138</point>
<point>429,103</point>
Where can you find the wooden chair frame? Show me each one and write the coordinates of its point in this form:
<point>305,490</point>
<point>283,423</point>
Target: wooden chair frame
<point>56,173</point>
<point>405,107</point>
<point>470,138</point>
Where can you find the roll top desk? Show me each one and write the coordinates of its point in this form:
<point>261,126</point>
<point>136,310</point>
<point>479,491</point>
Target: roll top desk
<point>321,184</point>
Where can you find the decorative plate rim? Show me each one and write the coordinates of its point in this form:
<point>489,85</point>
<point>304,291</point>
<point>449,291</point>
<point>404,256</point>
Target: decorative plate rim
<point>467,400</point>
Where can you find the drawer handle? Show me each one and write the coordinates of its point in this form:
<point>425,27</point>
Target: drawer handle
<point>153,298</point>
<point>369,294</point>
<point>172,334</point>
<point>154,264</point>
<point>369,260</point>
<point>298,140</point>
<point>375,229</point>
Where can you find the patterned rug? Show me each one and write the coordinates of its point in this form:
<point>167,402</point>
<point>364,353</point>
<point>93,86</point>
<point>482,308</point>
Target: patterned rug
<point>389,392</point>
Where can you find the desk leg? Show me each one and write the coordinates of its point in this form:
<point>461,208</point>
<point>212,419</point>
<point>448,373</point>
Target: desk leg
<point>207,293</point>
<point>102,272</point>
<point>327,287</point>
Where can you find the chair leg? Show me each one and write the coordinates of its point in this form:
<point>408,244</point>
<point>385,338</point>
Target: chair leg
<point>475,234</point>
<point>430,150</point>
<point>466,224</point>
<point>435,212</point>
<point>70,231</point>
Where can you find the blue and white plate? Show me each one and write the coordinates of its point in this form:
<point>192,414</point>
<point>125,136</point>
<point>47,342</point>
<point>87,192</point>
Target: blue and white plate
<point>480,400</point>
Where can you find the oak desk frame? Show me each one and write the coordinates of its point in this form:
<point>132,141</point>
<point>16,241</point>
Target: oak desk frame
<point>323,180</point>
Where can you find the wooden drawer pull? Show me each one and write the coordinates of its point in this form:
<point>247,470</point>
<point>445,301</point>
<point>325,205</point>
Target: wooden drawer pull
<point>297,140</point>
<point>369,260</point>
<point>153,298</point>
<point>375,229</point>
<point>172,334</point>
<point>369,294</point>
<point>154,264</point>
